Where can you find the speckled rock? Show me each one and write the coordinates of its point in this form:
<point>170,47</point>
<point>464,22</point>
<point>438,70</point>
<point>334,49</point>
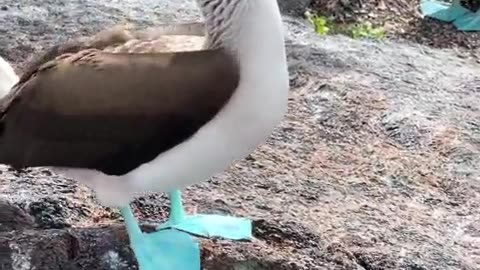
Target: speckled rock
<point>294,7</point>
<point>375,166</point>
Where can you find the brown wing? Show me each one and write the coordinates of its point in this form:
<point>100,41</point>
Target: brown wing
<point>112,112</point>
<point>114,36</point>
<point>124,38</point>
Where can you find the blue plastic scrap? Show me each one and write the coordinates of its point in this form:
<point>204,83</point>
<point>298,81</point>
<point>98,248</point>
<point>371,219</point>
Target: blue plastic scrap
<point>468,22</point>
<point>443,11</point>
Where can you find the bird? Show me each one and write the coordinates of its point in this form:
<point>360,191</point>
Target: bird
<point>161,38</point>
<point>128,121</point>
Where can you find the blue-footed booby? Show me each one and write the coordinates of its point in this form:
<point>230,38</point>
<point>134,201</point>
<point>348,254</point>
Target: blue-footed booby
<point>126,118</point>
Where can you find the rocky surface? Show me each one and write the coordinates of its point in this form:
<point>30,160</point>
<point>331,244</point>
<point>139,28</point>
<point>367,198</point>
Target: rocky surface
<point>376,165</point>
<point>402,20</point>
<point>295,8</point>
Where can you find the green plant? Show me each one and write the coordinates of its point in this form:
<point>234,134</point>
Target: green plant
<point>320,24</point>
<point>366,30</point>
<point>323,26</point>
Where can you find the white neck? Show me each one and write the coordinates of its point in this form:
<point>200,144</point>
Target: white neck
<point>253,31</point>
<point>248,28</point>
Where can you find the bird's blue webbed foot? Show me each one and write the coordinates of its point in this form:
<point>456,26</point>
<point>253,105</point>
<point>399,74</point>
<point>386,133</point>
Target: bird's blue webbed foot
<point>162,250</point>
<point>226,227</point>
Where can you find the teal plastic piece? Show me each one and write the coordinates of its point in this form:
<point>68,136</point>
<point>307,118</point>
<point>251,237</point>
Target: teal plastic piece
<point>443,11</point>
<point>162,250</point>
<point>468,22</point>
<point>226,227</point>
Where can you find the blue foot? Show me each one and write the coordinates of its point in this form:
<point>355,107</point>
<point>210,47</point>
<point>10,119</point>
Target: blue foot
<point>443,11</point>
<point>468,22</point>
<point>232,228</point>
<point>162,250</point>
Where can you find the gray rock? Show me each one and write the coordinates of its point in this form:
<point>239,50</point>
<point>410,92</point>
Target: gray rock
<point>376,165</point>
<point>294,7</point>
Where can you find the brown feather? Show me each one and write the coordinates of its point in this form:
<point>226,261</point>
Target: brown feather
<point>123,38</point>
<point>115,105</point>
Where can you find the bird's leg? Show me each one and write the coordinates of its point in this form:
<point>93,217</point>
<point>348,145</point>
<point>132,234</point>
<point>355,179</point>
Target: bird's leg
<point>177,213</point>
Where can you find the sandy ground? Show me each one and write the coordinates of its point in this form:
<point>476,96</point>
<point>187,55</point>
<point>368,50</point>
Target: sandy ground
<point>376,165</point>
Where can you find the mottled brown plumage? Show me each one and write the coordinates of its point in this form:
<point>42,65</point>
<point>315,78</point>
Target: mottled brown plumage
<point>123,38</point>
<point>113,101</point>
